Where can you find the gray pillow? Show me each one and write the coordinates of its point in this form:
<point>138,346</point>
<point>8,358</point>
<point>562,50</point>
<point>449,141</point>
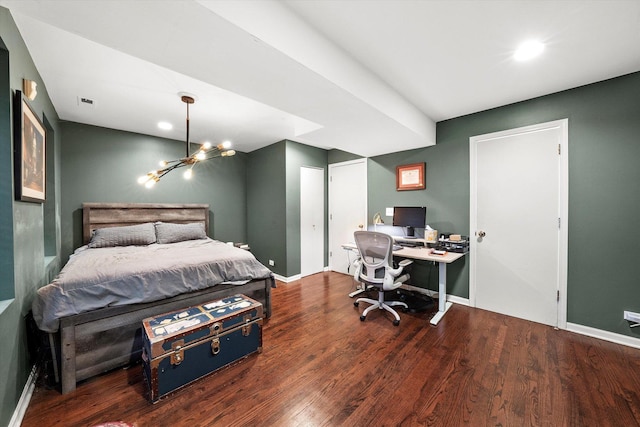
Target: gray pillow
<point>173,233</point>
<point>130,235</point>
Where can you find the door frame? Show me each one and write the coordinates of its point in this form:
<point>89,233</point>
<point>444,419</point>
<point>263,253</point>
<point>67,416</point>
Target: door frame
<point>563,208</point>
<point>331,190</point>
<point>318,170</point>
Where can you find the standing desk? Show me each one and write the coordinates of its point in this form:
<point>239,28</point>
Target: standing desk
<point>423,253</point>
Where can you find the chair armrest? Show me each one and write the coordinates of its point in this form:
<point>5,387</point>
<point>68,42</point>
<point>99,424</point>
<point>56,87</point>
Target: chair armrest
<point>405,262</point>
<point>357,263</point>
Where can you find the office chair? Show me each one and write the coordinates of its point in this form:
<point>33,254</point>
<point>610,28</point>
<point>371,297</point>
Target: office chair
<point>374,267</point>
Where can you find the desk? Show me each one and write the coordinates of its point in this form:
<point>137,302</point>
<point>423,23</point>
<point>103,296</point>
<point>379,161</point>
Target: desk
<point>423,254</point>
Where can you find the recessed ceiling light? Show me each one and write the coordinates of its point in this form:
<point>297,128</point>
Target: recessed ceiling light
<point>165,125</point>
<point>528,50</point>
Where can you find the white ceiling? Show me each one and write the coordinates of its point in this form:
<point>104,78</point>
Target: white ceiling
<point>365,76</point>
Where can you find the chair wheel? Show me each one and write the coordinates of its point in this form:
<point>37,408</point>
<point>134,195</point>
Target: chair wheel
<point>396,322</point>
<point>355,304</point>
<point>362,318</point>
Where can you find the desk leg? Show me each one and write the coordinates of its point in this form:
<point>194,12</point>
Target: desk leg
<point>443,304</point>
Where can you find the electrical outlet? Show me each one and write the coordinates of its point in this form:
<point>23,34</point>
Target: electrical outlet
<point>272,262</point>
<point>632,317</point>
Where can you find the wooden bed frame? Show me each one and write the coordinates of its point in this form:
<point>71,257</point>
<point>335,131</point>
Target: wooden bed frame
<point>100,340</point>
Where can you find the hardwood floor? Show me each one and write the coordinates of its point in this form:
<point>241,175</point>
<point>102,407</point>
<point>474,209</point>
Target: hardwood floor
<point>321,366</point>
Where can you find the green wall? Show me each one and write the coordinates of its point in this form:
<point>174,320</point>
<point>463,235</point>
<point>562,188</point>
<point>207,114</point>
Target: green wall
<point>446,197</point>
<point>604,148</point>
<point>7,291</point>
<point>273,202</point>
<point>102,165</point>
<point>22,247</point>
<point>266,203</point>
<point>253,198</point>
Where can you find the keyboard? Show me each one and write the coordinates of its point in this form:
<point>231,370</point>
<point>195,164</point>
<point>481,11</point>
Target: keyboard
<point>409,244</point>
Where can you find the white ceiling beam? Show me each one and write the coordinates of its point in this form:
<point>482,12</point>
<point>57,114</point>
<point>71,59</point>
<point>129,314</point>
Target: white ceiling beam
<point>302,43</point>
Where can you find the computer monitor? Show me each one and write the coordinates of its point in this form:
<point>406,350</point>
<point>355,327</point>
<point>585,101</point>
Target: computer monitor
<point>410,217</point>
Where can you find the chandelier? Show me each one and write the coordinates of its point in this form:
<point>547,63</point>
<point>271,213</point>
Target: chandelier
<point>205,152</point>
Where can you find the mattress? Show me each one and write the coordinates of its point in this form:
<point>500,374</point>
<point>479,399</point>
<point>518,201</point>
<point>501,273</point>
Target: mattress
<point>95,278</point>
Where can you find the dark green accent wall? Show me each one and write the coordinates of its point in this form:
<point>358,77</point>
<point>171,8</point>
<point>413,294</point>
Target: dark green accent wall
<point>266,203</point>
<point>51,220</point>
<point>604,148</point>
<point>21,226</point>
<point>273,202</point>
<point>6,179</point>
<point>446,197</point>
<point>103,165</point>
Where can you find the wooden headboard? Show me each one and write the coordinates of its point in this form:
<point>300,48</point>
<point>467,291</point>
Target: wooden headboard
<point>102,215</point>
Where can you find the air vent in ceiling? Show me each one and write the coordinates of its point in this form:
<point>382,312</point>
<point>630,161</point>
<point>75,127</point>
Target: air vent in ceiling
<point>86,102</point>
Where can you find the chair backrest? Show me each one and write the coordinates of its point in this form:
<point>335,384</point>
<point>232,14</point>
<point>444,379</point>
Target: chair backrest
<point>376,254</point>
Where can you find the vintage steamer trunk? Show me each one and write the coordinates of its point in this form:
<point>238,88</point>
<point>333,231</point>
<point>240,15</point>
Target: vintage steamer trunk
<point>182,346</point>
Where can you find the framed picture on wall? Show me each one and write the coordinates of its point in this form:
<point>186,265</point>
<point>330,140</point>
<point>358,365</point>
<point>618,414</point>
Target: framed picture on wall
<point>411,177</point>
<point>29,146</point>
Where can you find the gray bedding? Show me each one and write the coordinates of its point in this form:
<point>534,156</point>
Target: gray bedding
<point>99,277</point>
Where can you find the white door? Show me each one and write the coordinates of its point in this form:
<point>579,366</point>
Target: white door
<point>311,220</point>
<point>519,215</point>
<point>347,208</point>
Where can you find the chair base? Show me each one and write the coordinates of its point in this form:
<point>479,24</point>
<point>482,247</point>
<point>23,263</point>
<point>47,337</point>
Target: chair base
<point>382,305</point>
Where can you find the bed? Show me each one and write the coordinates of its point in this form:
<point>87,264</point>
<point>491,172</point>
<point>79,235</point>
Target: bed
<point>165,263</point>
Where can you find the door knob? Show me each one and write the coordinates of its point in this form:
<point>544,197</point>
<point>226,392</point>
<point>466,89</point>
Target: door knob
<point>481,233</point>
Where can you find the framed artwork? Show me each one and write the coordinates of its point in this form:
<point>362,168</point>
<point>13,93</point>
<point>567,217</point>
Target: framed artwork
<point>411,177</point>
<point>29,145</point>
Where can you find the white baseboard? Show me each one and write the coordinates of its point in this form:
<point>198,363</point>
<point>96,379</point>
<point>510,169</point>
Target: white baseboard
<point>604,335</point>
<point>25,398</point>
<point>287,279</point>
<point>294,277</point>
<point>458,300</point>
